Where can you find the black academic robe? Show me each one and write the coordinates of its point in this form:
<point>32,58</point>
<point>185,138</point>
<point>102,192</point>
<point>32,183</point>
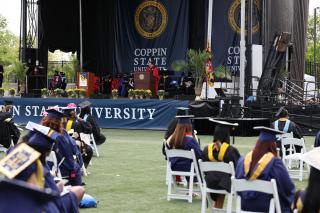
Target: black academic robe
<point>8,130</point>
<point>220,180</point>
<point>98,137</point>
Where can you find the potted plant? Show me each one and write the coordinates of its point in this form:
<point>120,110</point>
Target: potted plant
<point>82,93</point>
<point>44,92</point>
<point>114,93</point>
<point>131,94</point>
<point>71,93</point>
<point>161,94</point>
<point>77,92</point>
<point>12,91</point>
<point>196,64</point>
<point>141,93</point>
<point>58,92</point>
<point>136,93</point>
<point>148,93</point>
<point>1,92</point>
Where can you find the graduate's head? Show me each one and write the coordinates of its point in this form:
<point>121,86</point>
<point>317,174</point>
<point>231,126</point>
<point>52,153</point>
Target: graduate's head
<point>222,130</point>
<point>8,104</point>
<point>70,110</point>
<point>184,126</point>
<point>85,107</point>
<point>22,163</point>
<point>265,143</point>
<point>41,138</point>
<point>53,119</point>
<point>282,113</point>
<point>182,111</point>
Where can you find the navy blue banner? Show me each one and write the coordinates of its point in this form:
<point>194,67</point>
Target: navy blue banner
<point>150,29</point>
<point>225,37</point>
<point>126,114</point>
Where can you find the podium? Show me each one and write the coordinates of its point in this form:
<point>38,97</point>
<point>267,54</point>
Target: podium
<point>144,80</point>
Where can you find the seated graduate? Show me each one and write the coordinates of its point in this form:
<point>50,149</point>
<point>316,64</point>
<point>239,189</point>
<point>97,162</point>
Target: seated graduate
<point>284,124</point>
<point>9,132</point>
<point>78,126</point>
<point>64,148</point>
<point>85,114</point>
<point>182,138</point>
<point>22,187</point>
<point>220,151</point>
<point>308,200</point>
<point>42,139</point>
<point>262,163</point>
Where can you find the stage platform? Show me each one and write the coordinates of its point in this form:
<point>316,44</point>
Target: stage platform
<point>245,128</point>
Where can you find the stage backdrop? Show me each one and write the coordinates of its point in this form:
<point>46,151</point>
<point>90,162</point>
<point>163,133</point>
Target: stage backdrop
<point>150,29</point>
<point>126,114</point>
<point>226,33</point>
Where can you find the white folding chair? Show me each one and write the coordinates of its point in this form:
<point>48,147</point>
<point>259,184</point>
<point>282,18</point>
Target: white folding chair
<point>180,193</point>
<point>293,160</point>
<point>55,171</point>
<point>206,167</point>
<point>268,187</point>
<point>89,140</point>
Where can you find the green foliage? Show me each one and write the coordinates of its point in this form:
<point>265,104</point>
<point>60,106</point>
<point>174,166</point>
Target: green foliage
<point>196,64</point>
<point>310,39</point>
<point>70,68</point>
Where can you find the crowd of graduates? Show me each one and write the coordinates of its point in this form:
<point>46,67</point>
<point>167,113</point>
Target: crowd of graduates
<point>262,163</point>
<point>30,178</point>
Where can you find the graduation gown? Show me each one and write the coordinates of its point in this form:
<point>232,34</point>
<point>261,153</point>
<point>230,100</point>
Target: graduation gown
<point>273,169</point>
<point>68,202</point>
<point>66,148</point>
<point>183,164</point>
<point>292,127</point>
<point>227,153</point>
<point>98,137</point>
<point>8,130</point>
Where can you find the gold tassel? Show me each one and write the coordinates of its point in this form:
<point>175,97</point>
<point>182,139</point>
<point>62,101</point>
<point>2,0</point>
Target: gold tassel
<point>40,178</point>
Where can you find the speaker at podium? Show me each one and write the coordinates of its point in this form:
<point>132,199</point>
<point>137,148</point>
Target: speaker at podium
<point>144,80</point>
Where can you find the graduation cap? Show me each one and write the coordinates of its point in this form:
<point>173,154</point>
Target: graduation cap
<point>8,102</point>
<point>70,106</point>
<point>282,112</point>
<point>55,114</point>
<point>182,111</point>
<point>222,130</point>
<point>19,196</point>
<point>85,104</point>
<point>42,138</point>
<point>312,158</point>
<point>184,119</point>
<point>20,161</point>
<point>267,134</point>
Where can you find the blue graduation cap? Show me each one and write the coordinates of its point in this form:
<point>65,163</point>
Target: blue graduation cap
<point>222,130</point>
<point>41,138</point>
<point>267,134</point>
<point>184,119</point>
<point>18,196</point>
<point>55,114</point>
<point>8,102</point>
<point>20,161</point>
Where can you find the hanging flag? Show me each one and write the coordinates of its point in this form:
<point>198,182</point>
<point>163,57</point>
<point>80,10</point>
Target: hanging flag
<point>150,29</point>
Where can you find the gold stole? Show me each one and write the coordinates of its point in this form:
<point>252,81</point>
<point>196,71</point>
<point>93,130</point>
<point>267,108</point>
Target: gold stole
<point>262,164</point>
<point>69,125</point>
<point>222,151</point>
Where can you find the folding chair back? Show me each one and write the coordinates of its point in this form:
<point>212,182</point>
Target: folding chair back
<point>268,187</point>
<point>205,167</point>
<point>293,160</point>
<point>55,171</point>
<point>89,140</point>
<point>180,193</point>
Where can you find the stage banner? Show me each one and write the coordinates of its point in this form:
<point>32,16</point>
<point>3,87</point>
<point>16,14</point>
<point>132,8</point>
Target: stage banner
<point>225,37</point>
<point>150,29</point>
<point>126,114</point>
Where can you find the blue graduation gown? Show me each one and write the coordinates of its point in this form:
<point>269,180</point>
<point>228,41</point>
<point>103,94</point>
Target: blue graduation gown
<point>183,164</point>
<point>67,203</point>
<point>65,148</point>
<point>254,201</point>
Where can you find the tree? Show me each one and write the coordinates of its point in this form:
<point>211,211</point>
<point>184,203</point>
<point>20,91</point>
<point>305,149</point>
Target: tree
<point>309,43</point>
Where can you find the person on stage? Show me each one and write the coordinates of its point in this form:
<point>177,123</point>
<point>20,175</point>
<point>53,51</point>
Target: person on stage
<point>220,151</point>
<point>155,72</point>
<point>263,164</point>
<point>1,75</point>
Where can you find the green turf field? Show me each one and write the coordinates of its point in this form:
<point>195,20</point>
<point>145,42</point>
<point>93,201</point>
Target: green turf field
<point>129,176</point>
